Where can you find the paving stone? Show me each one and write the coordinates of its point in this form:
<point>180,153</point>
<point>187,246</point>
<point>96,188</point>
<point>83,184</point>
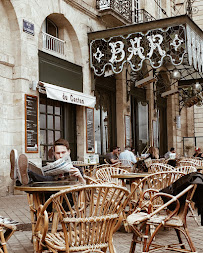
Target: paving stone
<point>16,207</point>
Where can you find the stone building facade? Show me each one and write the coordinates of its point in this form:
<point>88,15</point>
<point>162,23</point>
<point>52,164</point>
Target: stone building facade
<point>47,42</point>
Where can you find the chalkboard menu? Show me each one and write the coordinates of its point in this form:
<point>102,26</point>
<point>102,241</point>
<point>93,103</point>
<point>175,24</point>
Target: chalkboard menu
<point>127,130</point>
<point>90,130</point>
<point>31,124</point>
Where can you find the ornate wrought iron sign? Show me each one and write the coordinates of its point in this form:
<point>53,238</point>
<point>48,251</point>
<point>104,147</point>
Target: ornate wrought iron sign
<point>134,48</point>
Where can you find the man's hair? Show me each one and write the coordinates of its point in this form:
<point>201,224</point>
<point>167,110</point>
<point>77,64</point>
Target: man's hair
<point>62,142</point>
<point>115,147</point>
<point>172,149</point>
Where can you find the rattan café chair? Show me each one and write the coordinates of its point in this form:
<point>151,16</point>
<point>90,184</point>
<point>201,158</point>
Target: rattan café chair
<point>105,175</point>
<point>7,228</point>
<point>84,220</point>
<point>142,221</point>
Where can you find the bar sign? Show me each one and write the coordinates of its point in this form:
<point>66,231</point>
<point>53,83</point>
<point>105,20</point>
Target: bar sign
<point>28,27</point>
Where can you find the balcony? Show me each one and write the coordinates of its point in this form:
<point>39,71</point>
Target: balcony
<point>142,16</point>
<point>115,12</point>
<point>52,43</point>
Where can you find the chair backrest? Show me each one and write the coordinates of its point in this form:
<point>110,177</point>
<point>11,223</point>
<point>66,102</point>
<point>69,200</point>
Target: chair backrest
<point>105,174</point>
<point>186,169</point>
<point>197,161</point>
<point>186,163</point>
<point>86,216</point>
<point>153,183</point>
<point>117,165</point>
<point>159,167</point>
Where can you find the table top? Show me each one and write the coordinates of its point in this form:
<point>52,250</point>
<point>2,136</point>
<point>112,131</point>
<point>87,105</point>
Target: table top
<point>48,186</point>
<point>85,164</point>
<point>131,175</point>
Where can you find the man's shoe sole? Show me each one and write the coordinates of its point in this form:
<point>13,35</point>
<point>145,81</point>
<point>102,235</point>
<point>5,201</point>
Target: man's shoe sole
<point>23,167</point>
<point>13,161</point>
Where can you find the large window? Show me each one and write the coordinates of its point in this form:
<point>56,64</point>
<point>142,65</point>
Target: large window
<point>140,124</point>
<point>51,126</point>
<point>105,115</point>
<point>51,28</point>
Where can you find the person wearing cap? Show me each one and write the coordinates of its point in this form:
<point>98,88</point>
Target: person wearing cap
<point>198,152</point>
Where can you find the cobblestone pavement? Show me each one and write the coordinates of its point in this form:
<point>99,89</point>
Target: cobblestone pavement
<point>16,207</point>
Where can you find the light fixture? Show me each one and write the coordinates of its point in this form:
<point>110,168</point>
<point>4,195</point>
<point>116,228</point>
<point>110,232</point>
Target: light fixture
<point>197,88</point>
<point>175,74</point>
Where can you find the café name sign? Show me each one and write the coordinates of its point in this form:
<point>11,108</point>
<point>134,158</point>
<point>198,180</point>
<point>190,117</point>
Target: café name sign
<point>135,48</point>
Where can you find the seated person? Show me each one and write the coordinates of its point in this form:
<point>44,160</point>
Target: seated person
<point>153,153</point>
<point>198,153</point>
<point>171,157</point>
<point>22,169</point>
<point>112,157</point>
<point>170,154</point>
<point>128,155</point>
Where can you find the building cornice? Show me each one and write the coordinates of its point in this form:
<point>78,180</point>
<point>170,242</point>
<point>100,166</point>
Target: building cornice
<point>83,7</point>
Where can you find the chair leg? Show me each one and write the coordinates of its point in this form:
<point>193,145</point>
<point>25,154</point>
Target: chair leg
<point>3,241</point>
<point>179,238</point>
<point>133,244</point>
<point>187,236</point>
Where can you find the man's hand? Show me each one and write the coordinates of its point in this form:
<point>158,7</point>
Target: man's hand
<point>76,173</point>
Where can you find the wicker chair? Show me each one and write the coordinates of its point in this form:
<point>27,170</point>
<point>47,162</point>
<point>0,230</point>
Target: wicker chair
<point>84,219</point>
<point>186,169</point>
<point>142,221</point>
<point>105,175</point>
<point>158,167</point>
<point>151,185</point>
<point>186,163</point>
<point>7,228</point>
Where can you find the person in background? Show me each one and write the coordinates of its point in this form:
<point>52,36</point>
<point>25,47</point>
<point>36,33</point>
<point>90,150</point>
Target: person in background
<point>128,155</point>
<point>171,157</point>
<point>112,157</point>
<point>119,151</point>
<point>171,154</point>
<point>153,153</point>
<point>198,153</point>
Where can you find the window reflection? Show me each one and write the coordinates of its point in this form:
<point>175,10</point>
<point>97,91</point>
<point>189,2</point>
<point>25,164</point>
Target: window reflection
<point>143,127</point>
<point>102,122</point>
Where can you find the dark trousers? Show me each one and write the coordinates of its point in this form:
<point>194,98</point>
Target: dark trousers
<point>34,177</point>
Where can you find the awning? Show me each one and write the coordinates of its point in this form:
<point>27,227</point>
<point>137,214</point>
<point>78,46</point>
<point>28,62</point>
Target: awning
<point>67,95</point>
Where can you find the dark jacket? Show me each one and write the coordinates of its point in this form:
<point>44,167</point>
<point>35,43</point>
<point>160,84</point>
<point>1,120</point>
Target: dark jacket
<point>184,182</point>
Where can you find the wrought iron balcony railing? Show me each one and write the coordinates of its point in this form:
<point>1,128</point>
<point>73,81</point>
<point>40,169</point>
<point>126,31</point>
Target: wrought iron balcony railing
<point>52,43</point>
<point>141,16</point>
<point>121,7</point>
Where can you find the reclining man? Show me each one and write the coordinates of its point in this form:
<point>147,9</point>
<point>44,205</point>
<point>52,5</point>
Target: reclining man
<point>27,172</point>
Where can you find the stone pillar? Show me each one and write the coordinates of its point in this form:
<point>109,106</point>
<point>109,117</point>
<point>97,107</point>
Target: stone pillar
<point>122,108</point>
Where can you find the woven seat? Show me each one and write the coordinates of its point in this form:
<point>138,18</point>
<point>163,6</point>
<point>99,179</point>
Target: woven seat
<point>142,221</point>
<point>84,219</point>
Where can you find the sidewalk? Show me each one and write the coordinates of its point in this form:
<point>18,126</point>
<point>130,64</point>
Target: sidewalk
<point>16,208</point>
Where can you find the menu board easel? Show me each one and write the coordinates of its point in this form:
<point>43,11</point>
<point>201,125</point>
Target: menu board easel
<point>31,124</point>
<point>90,130</point>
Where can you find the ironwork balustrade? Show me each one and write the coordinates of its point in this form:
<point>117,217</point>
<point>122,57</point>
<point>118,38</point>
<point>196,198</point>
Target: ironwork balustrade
<point>52,43</point>
<point>121,7</point>
<point>141,16</point>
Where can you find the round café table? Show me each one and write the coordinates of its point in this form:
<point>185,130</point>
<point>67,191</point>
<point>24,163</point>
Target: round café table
<point>38,193</point>
<point>131,177</point>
